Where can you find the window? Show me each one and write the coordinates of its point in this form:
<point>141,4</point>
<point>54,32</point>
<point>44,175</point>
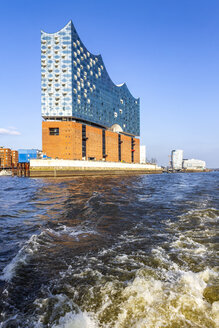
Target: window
<point>132,149</point>
<point>119,147</point>
<point>103,144</point>
<point>54,131</point>
<point>84,139</point>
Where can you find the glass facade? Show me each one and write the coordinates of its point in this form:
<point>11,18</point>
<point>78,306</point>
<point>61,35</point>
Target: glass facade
<point>75,84</point>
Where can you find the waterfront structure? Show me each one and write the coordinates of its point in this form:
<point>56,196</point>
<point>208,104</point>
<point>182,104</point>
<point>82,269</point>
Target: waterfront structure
<point>177,159</point>
<point>194,164</point>
<point>142,154</point>
<point>85,115</point>
<point>5,157</point>
<point>70,168</point>
<point>25,155</point>
<point>14,157</point>
<point>8,157</point>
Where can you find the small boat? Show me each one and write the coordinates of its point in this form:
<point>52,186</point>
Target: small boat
<point>5,173</point>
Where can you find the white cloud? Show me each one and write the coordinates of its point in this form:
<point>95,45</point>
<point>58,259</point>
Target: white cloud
<point>10,131</point>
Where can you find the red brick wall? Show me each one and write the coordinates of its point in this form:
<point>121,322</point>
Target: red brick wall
<point>126,149</point>
<point>77,140</point>
<point>137,151</point>
<point>5,156</point>
<point>14,157</point>
<point>112,146</point>
<point>67,145</point>
<point>94,143</point>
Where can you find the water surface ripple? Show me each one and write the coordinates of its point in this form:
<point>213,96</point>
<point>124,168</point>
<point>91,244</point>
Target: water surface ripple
<point>110,252</point>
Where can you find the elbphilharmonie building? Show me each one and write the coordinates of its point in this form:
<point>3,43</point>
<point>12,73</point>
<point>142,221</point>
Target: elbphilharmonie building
<point>82,108</point>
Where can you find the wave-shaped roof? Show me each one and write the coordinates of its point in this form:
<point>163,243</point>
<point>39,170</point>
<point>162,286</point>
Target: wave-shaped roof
<point>112,103</point>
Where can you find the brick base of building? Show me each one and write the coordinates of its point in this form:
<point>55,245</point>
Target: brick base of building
<point>77,141</point>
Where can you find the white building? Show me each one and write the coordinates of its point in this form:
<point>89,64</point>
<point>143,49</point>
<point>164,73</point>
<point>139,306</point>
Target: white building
<point>177,159</point>
<point>194,164</point>
<point>142,154</point>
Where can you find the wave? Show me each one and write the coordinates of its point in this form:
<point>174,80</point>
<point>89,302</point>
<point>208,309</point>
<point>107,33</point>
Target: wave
<point>203,215</point>
<point>44,239</point>
<point>77,320</point>
<point>21,258</point>
<point>166,295</point>
<point>150,302</point>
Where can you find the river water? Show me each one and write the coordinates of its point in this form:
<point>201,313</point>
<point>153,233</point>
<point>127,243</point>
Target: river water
<point>110,252</point>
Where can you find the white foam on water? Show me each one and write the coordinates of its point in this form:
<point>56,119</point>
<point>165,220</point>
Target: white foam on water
<point>79,320</point>
<point>215,313</point>
<point>30,247</point>
<point>9,270</point>
<point>153,303</point>
<point>122,258</point>
<point>71,231</point>
<point>167,296</point>
<point>204,215</point>
<point>187,244</point>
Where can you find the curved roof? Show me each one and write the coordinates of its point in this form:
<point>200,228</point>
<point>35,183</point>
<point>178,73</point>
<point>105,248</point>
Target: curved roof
<point>121,85</point>
<point>88,92</point>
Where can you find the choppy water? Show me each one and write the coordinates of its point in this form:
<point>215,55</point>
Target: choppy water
<point>112,252</point>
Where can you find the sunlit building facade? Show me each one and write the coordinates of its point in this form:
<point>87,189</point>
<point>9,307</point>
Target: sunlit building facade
<point>177,159</point>
<point>194,164</point>
<point>75,87</point>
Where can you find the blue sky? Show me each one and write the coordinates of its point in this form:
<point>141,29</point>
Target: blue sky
<point>167,51</point>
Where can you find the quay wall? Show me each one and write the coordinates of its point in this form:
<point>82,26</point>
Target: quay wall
<point>59,167</point>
